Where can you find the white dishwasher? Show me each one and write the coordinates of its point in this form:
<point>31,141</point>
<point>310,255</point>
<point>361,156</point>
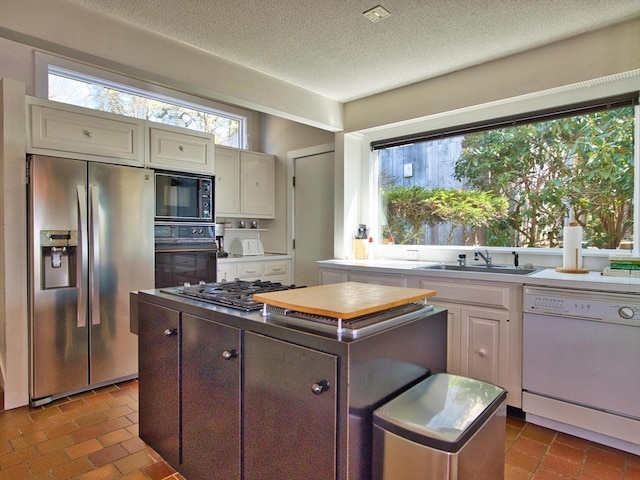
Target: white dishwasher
<point>581,364</point>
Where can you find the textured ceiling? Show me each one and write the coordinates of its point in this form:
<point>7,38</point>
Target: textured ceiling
<point>328,47</point>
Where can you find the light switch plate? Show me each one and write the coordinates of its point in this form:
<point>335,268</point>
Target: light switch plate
<point>408,170</point>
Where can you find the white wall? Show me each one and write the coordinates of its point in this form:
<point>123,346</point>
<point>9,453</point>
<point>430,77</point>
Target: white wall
<point>281,136</point>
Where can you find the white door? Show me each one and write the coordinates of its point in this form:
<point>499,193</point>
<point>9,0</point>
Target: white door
<point>313,215</point>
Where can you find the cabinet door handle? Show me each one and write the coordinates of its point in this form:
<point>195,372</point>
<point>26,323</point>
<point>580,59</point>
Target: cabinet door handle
<point>88,133</point>
<point>229,354</point>
<point>320,387</point>
<point>181,148</point>
<point>482,352</point>
<point>170,332</point>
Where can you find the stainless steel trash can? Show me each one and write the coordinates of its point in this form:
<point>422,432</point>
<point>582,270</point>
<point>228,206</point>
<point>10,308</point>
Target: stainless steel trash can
<point>446,427</point>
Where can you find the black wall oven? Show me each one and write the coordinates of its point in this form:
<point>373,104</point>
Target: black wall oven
<point>185,253</point>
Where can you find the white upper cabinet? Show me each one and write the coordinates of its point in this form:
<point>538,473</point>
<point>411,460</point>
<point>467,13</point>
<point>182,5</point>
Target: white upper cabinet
<point>227,189</point>
<point>257,184</point>
<point>173,148</point>
<point>245,183</point>
<point>64,130</point>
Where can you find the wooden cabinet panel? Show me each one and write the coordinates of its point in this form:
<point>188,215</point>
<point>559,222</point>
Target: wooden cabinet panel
<point>227,189</point>
<point>159,379</point>
<point>249,270</point>
<point>485,334</point>
<point>181,150</point>
<point>288,416</point>
<point>211,429</point>
<point>245,183</point>
<point>257,184</point>
<point>271,270</point>
<point>333,276</point>
<point>390,280</point>
<point>65,129</point>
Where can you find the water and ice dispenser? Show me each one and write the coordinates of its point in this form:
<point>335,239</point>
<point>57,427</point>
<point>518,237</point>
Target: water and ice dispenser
<point>59,252</point>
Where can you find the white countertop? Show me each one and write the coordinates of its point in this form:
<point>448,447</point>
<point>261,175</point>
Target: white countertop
<point>546,277</point>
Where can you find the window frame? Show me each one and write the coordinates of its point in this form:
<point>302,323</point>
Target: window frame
<point>582,93</point>
<point>459,132</point>
<point>45,64</point>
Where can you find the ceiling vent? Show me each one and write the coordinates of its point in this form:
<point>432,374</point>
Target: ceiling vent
<point>376,14</point>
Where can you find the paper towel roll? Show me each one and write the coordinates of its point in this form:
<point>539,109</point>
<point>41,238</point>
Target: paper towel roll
<point>572,247</point>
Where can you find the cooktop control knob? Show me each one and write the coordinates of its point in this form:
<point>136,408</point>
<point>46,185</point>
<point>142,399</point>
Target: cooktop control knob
<point>626,312</point>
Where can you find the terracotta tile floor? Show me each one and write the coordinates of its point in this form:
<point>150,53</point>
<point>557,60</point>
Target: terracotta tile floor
<point>94,436</point>
<point>537,453</point>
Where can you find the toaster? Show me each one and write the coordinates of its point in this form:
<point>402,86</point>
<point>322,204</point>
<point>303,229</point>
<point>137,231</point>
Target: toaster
<point>246,247</point>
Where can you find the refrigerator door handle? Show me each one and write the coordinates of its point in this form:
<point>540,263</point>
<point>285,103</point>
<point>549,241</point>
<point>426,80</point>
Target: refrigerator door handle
<point>94,266</point>
<point>81,314</point>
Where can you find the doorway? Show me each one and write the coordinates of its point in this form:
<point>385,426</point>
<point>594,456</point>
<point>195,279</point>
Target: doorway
<point>313,211</point>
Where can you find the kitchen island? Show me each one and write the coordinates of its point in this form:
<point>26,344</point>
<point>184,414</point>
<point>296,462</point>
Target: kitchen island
<point>232,394</point>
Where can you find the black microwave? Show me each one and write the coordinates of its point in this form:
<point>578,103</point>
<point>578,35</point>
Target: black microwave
<point>184,197</point>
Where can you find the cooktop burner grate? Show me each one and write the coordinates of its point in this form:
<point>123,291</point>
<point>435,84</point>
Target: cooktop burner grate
<point>237,294</point>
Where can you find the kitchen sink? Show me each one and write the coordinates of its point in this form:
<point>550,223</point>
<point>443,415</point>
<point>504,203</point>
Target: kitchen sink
<point>506,269</point>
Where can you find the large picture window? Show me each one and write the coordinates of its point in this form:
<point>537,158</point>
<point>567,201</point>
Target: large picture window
<point>514,185</point>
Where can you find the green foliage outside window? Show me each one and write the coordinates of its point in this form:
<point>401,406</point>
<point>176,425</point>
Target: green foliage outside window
<point>515,186</point>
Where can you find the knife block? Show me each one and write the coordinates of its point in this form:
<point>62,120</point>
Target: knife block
<point>360,249</point>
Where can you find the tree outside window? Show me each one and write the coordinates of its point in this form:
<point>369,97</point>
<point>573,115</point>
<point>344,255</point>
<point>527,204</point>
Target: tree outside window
<point>515,186</point>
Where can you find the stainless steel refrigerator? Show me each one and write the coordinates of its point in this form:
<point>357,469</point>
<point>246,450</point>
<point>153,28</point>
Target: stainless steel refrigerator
<point>91,243</point>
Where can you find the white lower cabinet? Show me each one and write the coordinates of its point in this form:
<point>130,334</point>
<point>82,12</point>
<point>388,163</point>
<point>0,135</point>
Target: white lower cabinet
<point>484,328</point>
<point>333,276</point>
<point>273,270</point>
<point>484,350</point>
<point>226,272</point>
<point>249,270</point>
<point>377,279</point>
<point>484,331</point>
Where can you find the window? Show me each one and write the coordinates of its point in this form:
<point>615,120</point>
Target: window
<point>116,94</point>
<point>514,183</point>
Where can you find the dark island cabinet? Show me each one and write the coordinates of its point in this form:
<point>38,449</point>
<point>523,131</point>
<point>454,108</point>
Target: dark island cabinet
<point>159,379</point>
<point>290,409</point>
<point>189,383</point>
<point>210,400</point>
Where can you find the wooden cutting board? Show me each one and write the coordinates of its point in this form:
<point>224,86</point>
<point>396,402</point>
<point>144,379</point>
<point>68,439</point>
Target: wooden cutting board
<point>343,300</point>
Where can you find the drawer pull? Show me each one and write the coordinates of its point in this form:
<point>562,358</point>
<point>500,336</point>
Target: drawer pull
<point>482,352</point>
<point>88,133</point>
<point>181,148</point>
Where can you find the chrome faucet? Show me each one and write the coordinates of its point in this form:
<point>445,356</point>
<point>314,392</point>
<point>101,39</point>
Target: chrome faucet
<point>486,256</point>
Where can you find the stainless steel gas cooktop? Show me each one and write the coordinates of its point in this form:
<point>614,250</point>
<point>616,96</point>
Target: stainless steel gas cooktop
<point>237,294</point>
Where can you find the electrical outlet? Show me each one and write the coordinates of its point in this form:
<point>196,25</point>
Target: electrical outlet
<point>411,254</point>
